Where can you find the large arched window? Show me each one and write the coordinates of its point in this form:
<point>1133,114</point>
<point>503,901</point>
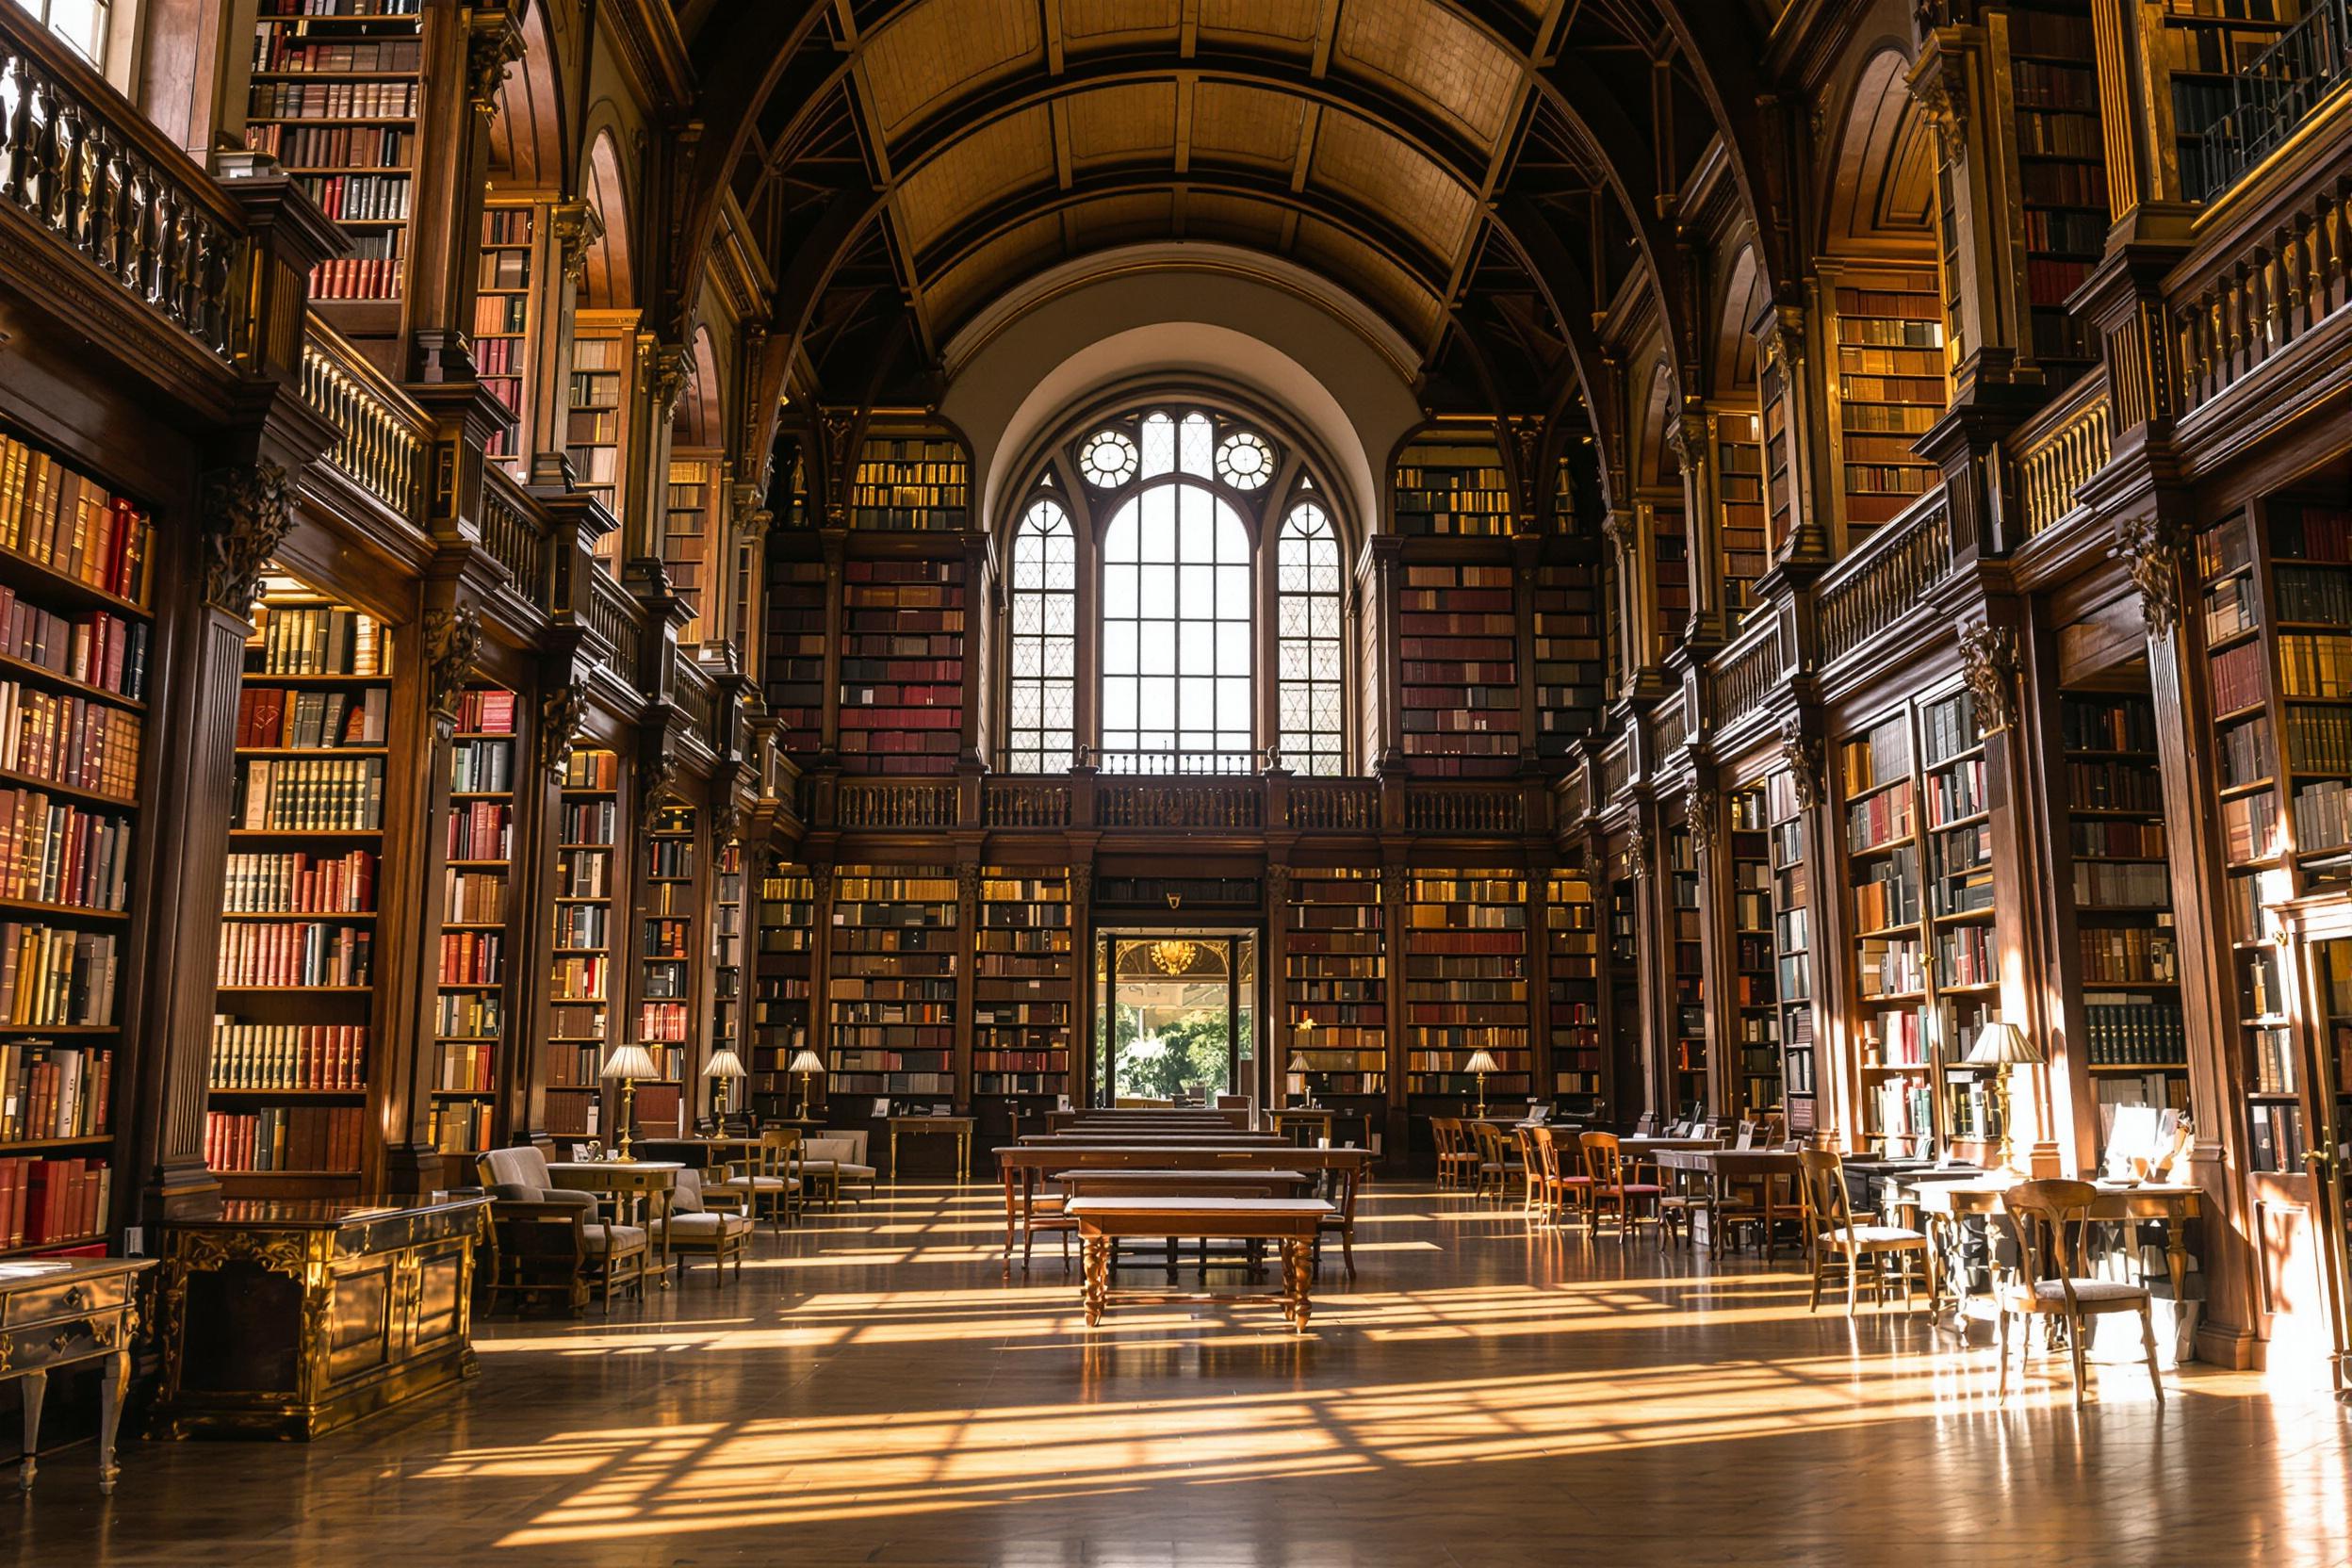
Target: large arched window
<point>1161,561</point>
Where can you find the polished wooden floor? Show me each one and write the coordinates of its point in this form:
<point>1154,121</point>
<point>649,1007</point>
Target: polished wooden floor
<point>875,1391</point>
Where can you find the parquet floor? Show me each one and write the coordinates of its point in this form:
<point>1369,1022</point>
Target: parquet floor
<point>875,1391</point>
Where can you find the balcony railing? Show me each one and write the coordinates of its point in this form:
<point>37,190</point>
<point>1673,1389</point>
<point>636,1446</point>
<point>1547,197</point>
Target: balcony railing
<point>1204,804</point>
<point>2253,290</point>
<point>1466,809</point>
<point>2272,95</point>
<point>515,532</point>
<point>616,620</point>
<point>1885,580</point>
<point>1024,803</point>
<point>1744,675</point>
<point>80,162</point>
<point>697,698</point>
<point>2061,447</point>
<point>872,804</point>
<point>1335,805</point>
<point>380,435</point>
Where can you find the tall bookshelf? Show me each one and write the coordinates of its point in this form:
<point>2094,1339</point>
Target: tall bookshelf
<point>1337,973</point>
<point>901,665</point>
<point>1743,518</point>
<point>1466,954</point>
<point>793,671</point>
<point>1452,486</point>
<point>1625,1030</point>
<point>1569,676</point>
<point>505,297</point>
<point>688,519</point>
<point>1573,937</point>
<point>726,963</point>
<point>1964,968</point>
<point>292,1060</point>
<point>1889,965</point>
<point>783,970</point>
<point>2206,44</point>
<point>336,86</point>
<point>1688,1047</point>
<point>1754,969</point>
<point>1458,671</point>
<point>1771,427</point>
<point>469,1007</point>
<point>912,483</point>
<point>667,908</point>
<point>1670,579</point>
<point>2062,174</point>
<point>595,428</point>
<point>2134,1042</point>
<point>1891,388</point>
<point>587,864</point>
<point>891,992</point>
<point>75,642</point>
<point>1025,976</point>
<point>1790,849</point>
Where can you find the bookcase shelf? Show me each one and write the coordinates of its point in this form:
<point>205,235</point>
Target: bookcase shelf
<point>727,959</point>
<point>1963,959</point>
<point>1789,849</point>
<point>478,846</point>
<point>1451,485</point>
<point>2206,44</point>
<point>1670,576</point>
<point>1458,672</point>
<point>1890,387</point>
<point>1569,678</point>
<point>1882,850</point>
<point>689,520</point>
<point>667,907</point>
<point>890,994</point>
<point>912,483</point>
<point>1579,1065</point>
<point>335,89</point>
<point>1466,954</point>
<point>297,964</point>
<point>2061,174</point>
<point>1022,980</point>
<point>1688,1005</point>
<point>1771,424</point>
<point>505,323</point>
<point>1754,969</point>
<point>784,970</point>
<point>1625,990</point>
<point>604,373</point>
<point>794,669</point>
<point>1743,519</point>
<point>901,665</point>
<point>1337,973</point>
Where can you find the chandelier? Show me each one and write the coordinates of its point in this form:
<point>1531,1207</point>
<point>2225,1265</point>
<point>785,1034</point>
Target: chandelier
<point>1174,955</point>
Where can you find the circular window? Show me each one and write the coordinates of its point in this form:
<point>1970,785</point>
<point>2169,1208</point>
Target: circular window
<point>1245,461</point>
<point>1108,458</point>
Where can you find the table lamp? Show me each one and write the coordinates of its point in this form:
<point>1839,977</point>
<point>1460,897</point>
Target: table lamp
<point>804,1064</point>
<point>1300,1067</point>
<point>723,1069</point>
<point>1481,1063</point>
<point>2002,1045</point>
<point>629,1063</point>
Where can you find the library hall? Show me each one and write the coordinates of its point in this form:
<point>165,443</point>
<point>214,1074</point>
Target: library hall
<point>1175,783</point>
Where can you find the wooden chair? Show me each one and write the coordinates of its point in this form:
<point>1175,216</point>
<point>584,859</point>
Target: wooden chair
<point>539,1249</point>
<point>1606,1188</point>
<point>1562,1189</point>
<point>1457,1163</point>
<point>1836,1242</point>
<point>1531,1200</point>
<point>1492,1170</point>
<point>1341,1223</point>
<point>2051,1221</point>
<point>770,1183</point>
<point>693,1228</point>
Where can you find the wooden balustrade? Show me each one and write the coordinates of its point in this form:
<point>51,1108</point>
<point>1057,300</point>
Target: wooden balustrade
<point>2059,447</point>
<point>895,803</point>
<point>82,164</point>
<point>1616,770</point>
<point>380,435</point>
<point>1576,799</point>
<point>1741,677</point>
<point>1481,809</point>
<point>698,699</point>
<point>1334,806</point>
<point>1887,578</point>
<point>2260,284</point>
<point>1024,803</point>
<point>515,534</point>
<point>1668,728</point>
<point>1191,803</point>
<point>616,620</point>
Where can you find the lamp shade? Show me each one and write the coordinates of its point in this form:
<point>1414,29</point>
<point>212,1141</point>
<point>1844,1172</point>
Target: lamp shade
<point>806,1061</point>
<point>630,1061</point>
<point>2000,1043</point>
<point>724,1063</point>
<point>1482,1061</point>
<point>1299,1063</point>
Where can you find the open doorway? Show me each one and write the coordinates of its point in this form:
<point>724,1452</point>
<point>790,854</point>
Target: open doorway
<point>1175,1017</point>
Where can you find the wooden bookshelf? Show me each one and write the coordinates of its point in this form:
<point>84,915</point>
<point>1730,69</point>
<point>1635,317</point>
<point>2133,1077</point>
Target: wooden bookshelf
<point>793,671</point>
<point>1573,937</point>
<point>335,89</point>
<point>469,1005</point>
<point>295,1013</point>
<point>1025,976</point>
<point>75,636</point>
<point>2206,44</point>
<point>912,483</point>
<point>689,547</point>
<point>1466,957</point>
<point>596,430</point>
<point>1743,520</point>
<point>579,991</point>
<point>668,905</point>
<point>1627,1033</point>
<point>1458,671</point>
<point>1688,1048</point>
<point>1889,999</point>
<point>1569,678</point>
<point>901,665</point>
<point>1791,858</point>
<point>1336,973</point>
<point>1754,969</point>
<point>506,298</point>
<point>783,970</point>
<point>1451,485</point>
<point>1889,390</point>
<point>727,1031</point>
<point>2062,174</point>
<point>891,992</point>
<point>1772,425</point>
<point>1670,576</point>
<point>1964,967</point>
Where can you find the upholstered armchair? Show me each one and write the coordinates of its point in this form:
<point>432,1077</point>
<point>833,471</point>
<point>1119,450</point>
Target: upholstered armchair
<point>615,1254</point>
<point>835,1157</point>
<point>694,1227</point>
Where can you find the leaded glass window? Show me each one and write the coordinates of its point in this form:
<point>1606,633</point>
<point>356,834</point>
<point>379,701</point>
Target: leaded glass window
<point>1042,732</point>
<point>1310,643</point>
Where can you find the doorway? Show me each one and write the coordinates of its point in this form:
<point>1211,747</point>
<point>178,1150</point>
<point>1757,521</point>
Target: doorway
<point>1175,1017</point>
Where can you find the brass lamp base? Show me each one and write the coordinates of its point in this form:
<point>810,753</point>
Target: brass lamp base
<point>628,1115</point>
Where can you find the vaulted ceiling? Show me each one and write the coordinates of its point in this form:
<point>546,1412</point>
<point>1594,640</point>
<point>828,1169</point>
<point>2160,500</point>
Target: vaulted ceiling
<point>1485,175</point>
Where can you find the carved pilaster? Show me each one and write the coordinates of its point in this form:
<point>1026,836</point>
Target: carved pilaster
<point>1637,852</point>
<point>1988,662</point>
<point>562,713</point>
<point>658,782</point>
<point>494,43</point>
<point>248,513</point>
<point>452,638</point>
<point>578,226</point>
<point>1801,753</point>
<point>2152,545</point>
<point>1706,806</point>
<point>668,366</point>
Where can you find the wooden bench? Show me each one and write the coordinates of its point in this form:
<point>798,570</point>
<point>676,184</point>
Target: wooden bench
<point>1291,1222</point>
<point>1023,1167</point>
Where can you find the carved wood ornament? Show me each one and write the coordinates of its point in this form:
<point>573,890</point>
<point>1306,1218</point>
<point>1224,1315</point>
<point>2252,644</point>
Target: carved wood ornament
<point>562,713</point>
<point>1988,662</point>
<point>452,638</point>
<point>248,513</point>
<point>1802,755</point>
<point>2151,547</point>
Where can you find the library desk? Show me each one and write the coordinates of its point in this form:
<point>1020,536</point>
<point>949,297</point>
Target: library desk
<point>1024,1165</point>
<point>629,1185</point>
<point>63,1316</point>
<point>1729,1168</point>
<point>291,1318</point>
<point>1326,1120</point>
<point>957,1127</point>
<point>1104,1223</point>
<point>2176,1204</point>
<point>1150,1183</point>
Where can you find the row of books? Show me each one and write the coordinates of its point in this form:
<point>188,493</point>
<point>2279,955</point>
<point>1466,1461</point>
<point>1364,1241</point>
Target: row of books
<point>465,1068</point>
<point>1889,896</point>
<point>2315,664</point>
<point>332,101</point>
<point>52,1091</point>
<point>300,795</point>
<point>295,953</point>
<point>358,278</point>
<point>480,830</point>
<point>2111,885</point>
<point>583,926</point>
<point>1878,818</point>
<point>61,738</point>
<point>95,648</point>
<point>54,852</point>
<point>2111,786</point>
<point>301,883</point>
<point>60,518</point>
<point>302,146</point>
<point>311,1056</point>
<point>2129,1029</point>
<point>2320,819</point>
<point>1964,956</point>
<point>579,978</point>
<point>463,1127</point>
<point>356,199</point>
<point>590,769</point>
<point>471,957</point>
<point>2130,954</point>
<point>2305,594</point>
<point>271,716</point>
<point>2312,533</point>
<point>296,639</point>
<point>55,978</point>
<point>285,1137</point>
<point>52,1201</point>
<point>583,874</point>
<point>1892,968</point>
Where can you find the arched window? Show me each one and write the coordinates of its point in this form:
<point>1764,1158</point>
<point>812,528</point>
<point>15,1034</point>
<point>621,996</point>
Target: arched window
<point>1154,574</point>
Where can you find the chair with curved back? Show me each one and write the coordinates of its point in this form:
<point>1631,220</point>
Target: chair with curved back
<point>1493,1172</point>
<point>1563,1188</point>
<point>1457,1163</point>
<point>2050,1220</point>
<point>1530,1172</point>
<point>1836,1242</point>
<point>1607,1190</point>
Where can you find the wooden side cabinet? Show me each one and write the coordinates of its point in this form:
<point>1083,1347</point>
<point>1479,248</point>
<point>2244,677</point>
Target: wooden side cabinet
<point>291,1319</point>
<point>56,1317</point>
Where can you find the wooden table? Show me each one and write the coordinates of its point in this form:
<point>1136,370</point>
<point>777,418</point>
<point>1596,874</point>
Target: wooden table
<point>1147,1183</point>
<point>1291,1222</point>
<point>60,1313</point>
<point>626,1184</point>
<point>1022,1166</point>
<point>1728,1167</point>
<point>2175,1203</point>
<point>957,1127</point>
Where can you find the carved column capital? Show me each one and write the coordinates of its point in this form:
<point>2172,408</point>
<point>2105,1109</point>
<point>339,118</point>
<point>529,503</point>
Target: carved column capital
<point>578,226</point>
<point>2151,546</point>
<point>1988,662</point>
<point>727,821</point>
<point>1637,852</point>
<point>562,713</point>
<point>1939,85</point>
<point>834,426</point>
<point>657,782</point>
<point>248,513</point>
<point>1394,884</point>
<point>1706,806</point>
<point>452,638</point>
<point>670,364</point>
<point>1801,753</point>
<point>494,43</point>
<point>1277,887</point>
<point>968,884</point>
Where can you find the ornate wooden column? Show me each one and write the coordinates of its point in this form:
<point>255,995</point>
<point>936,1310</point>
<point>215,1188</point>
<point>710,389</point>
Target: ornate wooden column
<point>454,174</point>
<point>1710,850</point>
<point>966,966</point>
<point>523,1054</point>
<point>1394,886</point>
